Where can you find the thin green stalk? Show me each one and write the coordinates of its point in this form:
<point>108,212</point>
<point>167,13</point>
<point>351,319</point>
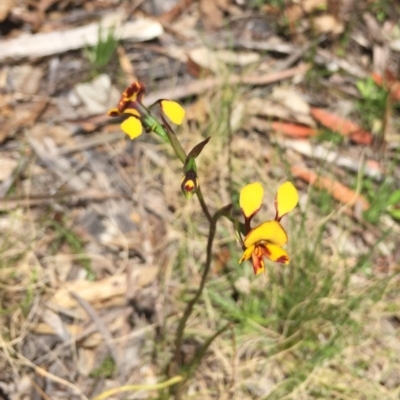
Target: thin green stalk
<point>193,301</point>
<point>176,144</point>
<point>176,361</point>
<point>181,154</point>
<point>229,145</point>
<point>204,205</point>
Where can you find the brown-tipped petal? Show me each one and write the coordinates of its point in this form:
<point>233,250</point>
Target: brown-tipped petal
<point>251,197</point>
<point>275,253</point>
<point>286,199</point>
<point>173,110</point>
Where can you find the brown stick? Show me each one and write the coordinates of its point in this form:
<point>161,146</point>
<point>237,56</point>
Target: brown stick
<point>201,86</point>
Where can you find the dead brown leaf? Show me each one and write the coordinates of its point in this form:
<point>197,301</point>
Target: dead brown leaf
<point>269,109</point>
<point>93,292</point>
<point>339,191</point>
<point>27,115</point>
<point>198,111</point>
<point>175,11</point>
<point>126,65</point>
<point>212,12</point>
<point>293,130</point>
<point>311,5</point>
<point>201,86</point>
<point>328,24</point>
<point>8,165</point>
<point>342,125</point>
<point>60,134</point>
<point>26,79</point>
<point>216,61</point>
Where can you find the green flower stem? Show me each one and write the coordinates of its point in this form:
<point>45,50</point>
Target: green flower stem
<point>176,145</point>
<point>193,301</point>
<point>203,205</point>
<point>165,130</point>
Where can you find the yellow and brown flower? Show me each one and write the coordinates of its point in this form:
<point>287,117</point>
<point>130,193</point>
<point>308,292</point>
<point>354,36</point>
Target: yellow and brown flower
<point>138,117</point>
<point>266,240</point>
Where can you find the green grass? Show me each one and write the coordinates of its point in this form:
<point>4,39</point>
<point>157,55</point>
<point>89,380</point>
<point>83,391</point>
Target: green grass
<point>279,4</point>
<point>384,199</point>
<point>372,105</point>
<point>105,370</point>
<point>101,54</point>
<point>64,234</point>
<point>381,9</point>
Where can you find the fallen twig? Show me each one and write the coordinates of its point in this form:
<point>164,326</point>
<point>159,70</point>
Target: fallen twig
<point>99,324</point>
<point>71,198</point>
<point>49,43</point>
<point>200,86</point>
<point>319,152</point>
<point>336,189</point>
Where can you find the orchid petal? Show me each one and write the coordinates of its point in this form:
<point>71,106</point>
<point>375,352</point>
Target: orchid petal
<point>251,197</point>
<point>275,253</point>
<point>286,199</point>
<point>173,110</point>
<point>246,254</point>
<point>270,231</point>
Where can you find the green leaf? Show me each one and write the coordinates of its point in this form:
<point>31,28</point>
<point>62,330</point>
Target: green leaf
<point>395,214</point>
<point>394,198</point>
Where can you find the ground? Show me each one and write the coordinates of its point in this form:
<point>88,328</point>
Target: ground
<point>100,251</point>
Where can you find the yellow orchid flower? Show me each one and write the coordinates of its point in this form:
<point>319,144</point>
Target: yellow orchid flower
<point>266,240</point>
<point>138,117</point>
